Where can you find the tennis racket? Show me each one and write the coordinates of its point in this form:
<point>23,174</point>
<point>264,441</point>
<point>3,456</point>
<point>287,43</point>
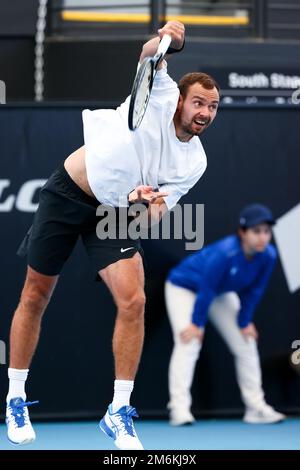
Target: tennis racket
<point>143,83</point>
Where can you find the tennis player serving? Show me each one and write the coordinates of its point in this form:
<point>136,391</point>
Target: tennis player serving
<point>157,163</point>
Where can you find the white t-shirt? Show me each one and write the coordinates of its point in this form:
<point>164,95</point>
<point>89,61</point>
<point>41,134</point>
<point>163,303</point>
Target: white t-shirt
<point>118,160</point>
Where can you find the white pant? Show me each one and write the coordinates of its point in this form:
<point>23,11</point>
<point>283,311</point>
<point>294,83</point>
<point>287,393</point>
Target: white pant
<point>223,315</point>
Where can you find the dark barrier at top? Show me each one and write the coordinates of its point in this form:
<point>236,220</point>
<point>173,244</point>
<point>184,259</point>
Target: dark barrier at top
<point>252,157</point>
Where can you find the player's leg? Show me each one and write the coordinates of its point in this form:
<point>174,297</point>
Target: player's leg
<point>180,303</point>
<point>26,324</point>
<point>125,280</point>
<point>223,314</point>
<point>47,246</point>
<point>24,336</point>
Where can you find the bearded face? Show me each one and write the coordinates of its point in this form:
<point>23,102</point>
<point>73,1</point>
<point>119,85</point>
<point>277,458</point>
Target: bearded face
<point>196,111</point>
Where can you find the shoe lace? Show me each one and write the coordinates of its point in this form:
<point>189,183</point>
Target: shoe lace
<point>126,422</point>
<point>18,412</point>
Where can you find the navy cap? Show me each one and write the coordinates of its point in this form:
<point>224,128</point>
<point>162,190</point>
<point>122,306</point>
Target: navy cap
<point>255,214</point>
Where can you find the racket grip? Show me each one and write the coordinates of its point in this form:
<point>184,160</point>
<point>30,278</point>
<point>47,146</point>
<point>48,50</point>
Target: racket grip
<point>164,44</point>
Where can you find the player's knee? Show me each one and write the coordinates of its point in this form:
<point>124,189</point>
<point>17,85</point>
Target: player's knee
<point>35,298</point>
<point>132,307</point>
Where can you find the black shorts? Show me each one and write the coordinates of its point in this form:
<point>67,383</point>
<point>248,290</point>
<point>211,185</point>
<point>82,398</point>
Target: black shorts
<point>66,213</point>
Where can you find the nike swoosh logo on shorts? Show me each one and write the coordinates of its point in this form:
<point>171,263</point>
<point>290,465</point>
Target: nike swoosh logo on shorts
<point>126,249</point>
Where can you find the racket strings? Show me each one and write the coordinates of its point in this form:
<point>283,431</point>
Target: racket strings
<point>143,94</point>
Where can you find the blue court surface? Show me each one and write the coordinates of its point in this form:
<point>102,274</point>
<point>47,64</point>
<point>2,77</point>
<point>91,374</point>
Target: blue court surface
<point>159,435</point>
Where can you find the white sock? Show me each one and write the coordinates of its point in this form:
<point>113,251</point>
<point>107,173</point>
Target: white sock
<point>17,379</point>
<point>122,392</point>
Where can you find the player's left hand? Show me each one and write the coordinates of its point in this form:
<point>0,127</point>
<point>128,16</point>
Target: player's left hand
<point>175,29</point>
<point>144,193</point>
<point>250,331</point>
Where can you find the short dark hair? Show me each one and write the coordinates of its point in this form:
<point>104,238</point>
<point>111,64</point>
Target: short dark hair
<point>204,79</point>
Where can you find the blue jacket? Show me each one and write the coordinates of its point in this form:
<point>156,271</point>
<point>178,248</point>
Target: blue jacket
<point>222,267</point>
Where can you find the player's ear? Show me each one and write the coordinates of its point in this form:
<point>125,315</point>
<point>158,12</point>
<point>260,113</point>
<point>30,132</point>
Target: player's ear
<point>180,103</point>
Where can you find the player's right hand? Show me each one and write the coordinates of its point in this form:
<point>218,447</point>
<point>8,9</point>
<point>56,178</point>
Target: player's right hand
<point>176,30</point>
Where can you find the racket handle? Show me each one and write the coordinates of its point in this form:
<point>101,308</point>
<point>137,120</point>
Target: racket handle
<point>164,44</point>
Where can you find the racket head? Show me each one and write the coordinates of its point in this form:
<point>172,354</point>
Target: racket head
<point>140,93</point>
